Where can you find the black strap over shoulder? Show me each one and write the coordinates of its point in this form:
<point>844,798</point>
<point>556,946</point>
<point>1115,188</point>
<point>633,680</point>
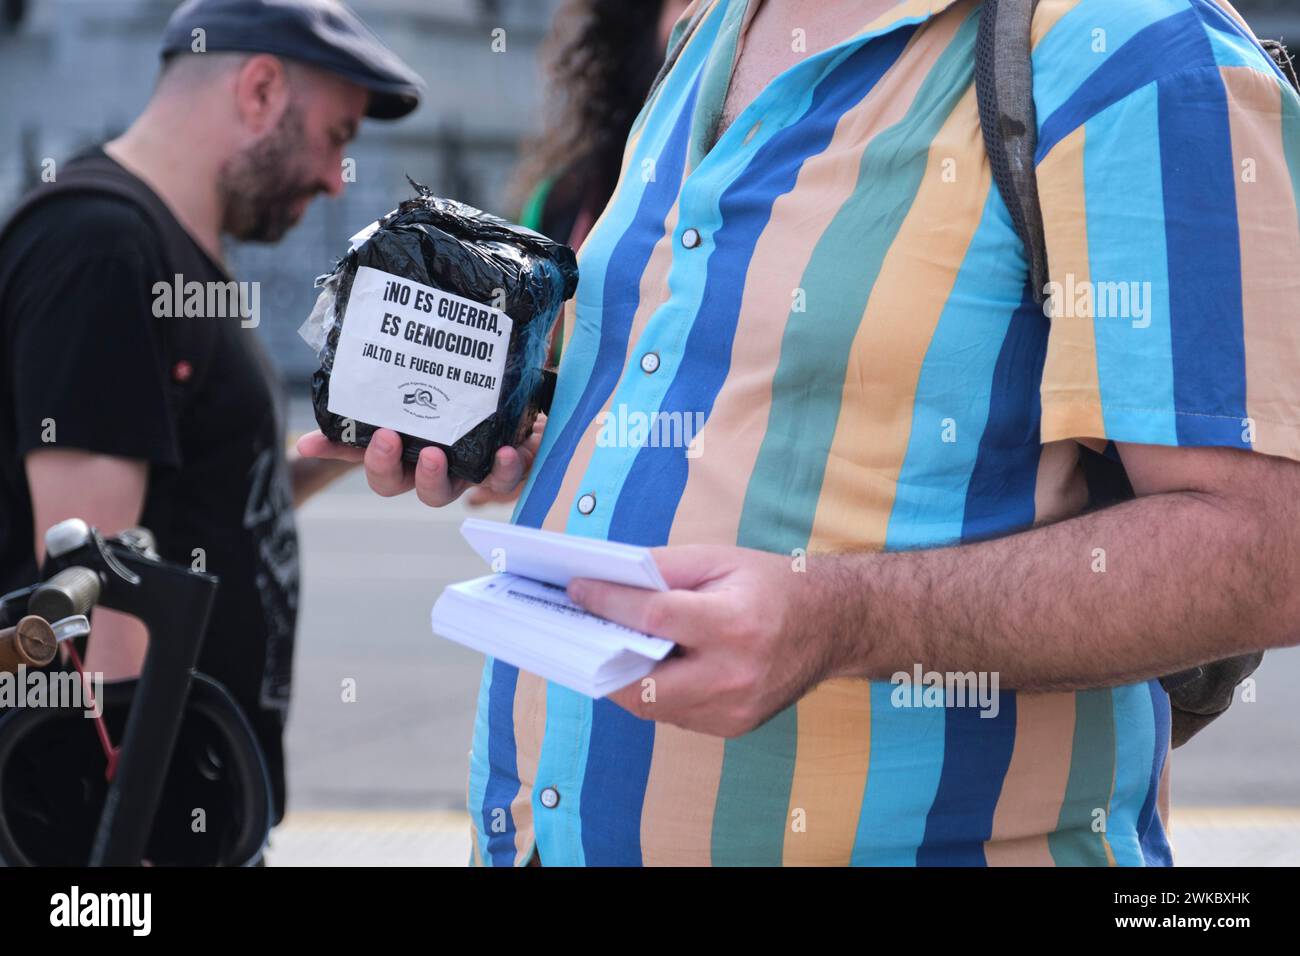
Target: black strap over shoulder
<point>1004,85</point>
<point>1004,88</point>
<point>1285,62</point>
<point>98,174</point>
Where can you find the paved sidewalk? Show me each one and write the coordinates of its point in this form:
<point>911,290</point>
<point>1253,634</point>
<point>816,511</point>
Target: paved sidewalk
<point>1236,836</point>
<point>383,838</point>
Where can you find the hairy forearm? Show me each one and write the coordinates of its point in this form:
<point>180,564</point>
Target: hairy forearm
<point>1143,589</point>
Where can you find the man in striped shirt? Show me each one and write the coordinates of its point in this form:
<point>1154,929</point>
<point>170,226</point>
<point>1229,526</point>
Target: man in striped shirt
<point>806,253</point>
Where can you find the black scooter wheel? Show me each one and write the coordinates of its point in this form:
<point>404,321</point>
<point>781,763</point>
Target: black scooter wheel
<point>215,808</point>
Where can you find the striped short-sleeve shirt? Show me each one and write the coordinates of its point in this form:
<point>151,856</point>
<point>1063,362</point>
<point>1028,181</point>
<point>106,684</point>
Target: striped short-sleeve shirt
<point>816,335</point>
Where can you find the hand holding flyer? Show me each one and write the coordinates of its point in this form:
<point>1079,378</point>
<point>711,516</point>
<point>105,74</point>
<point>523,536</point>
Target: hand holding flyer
<point>523,616</point>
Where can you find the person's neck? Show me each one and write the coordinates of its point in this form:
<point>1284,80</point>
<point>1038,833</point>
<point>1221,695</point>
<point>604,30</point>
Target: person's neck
<point>173,163</point>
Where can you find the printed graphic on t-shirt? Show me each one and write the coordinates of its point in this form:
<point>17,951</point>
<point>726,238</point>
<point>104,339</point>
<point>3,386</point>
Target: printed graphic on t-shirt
<point>268,518</point>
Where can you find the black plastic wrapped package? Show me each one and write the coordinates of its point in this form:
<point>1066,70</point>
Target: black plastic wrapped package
<point>437,323</point>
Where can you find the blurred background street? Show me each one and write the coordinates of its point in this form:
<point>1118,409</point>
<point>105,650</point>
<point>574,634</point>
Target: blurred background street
<point>381,780</point>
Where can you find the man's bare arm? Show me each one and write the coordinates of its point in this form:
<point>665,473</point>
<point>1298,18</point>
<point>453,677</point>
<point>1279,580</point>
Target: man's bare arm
<point>107,493</point>
<point>308,476</point>
<point>1203,565</point>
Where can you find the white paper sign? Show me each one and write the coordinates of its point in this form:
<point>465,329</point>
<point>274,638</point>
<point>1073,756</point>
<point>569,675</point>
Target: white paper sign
<point>416,359</point>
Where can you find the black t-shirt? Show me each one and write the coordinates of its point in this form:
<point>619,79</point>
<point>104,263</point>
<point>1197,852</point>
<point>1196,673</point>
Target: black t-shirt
<point>86,364</point>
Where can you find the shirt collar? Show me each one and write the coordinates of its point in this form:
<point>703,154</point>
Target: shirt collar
<point>720,63</point>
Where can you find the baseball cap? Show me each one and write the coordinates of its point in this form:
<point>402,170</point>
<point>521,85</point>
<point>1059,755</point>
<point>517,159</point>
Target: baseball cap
<point>325,34</point>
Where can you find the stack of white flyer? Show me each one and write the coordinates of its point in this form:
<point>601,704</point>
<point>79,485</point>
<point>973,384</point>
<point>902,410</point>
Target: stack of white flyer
<point>522,615</point>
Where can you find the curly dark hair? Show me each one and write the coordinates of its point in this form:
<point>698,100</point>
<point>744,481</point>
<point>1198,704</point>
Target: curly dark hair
<point>601,57</point>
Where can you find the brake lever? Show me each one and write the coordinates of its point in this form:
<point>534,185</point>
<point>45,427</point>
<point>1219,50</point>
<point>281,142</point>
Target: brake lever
<point>110,560</point>
<point>73,542</point>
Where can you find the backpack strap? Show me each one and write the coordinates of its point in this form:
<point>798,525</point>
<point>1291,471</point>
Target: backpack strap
<point>180,254</point>
<point>1282,57</point>
<point>1004,84</point>
<point>1004,88</point>
<point>99,174</point>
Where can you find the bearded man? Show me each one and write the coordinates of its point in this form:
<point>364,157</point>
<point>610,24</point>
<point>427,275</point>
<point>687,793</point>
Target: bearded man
<point>120,413</point>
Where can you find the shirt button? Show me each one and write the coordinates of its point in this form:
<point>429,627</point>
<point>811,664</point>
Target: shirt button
<point>550,798</point>
<point>691,238</point>
<point>650,362</point>
<point>587,503</point>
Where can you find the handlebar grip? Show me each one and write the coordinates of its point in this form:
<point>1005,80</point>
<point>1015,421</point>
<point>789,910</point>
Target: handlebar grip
<point>71,591</point>
<point>31,641</point>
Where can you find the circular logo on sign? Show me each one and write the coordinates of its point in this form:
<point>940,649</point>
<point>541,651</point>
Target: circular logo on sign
<point>422,399</point>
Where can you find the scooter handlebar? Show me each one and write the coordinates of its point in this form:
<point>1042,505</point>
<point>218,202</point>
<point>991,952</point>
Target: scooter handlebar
<point>72,591</point>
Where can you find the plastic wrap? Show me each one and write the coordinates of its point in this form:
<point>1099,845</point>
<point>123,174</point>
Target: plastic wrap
<point>472,274</point>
